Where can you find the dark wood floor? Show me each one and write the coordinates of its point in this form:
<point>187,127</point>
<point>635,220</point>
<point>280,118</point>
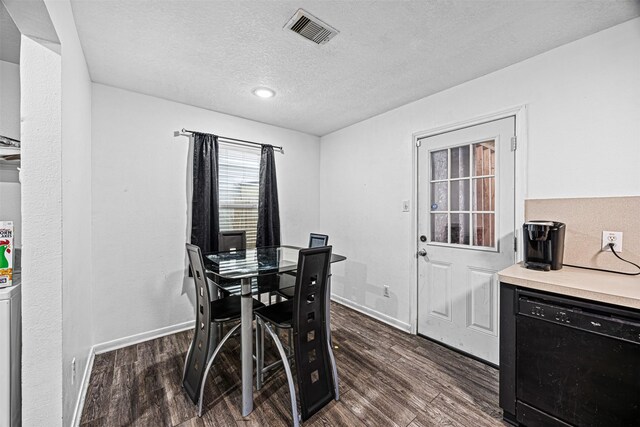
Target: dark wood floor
<point>387,378</point>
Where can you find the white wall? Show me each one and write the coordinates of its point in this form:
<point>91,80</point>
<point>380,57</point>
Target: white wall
<point>10,100</point>
<point>583,114</point>
<point>77,325</point>
<point>40,75</point>
<point>10,126</point>
<point>140,204</point>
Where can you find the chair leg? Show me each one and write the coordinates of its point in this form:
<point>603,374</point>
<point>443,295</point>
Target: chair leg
<point>332,359</point>
<point>287,369</point>
<point>259,353</point>
<point>220,333</point>
<point>210,363</point>
<point>186,362</point>
<point>334,369</point>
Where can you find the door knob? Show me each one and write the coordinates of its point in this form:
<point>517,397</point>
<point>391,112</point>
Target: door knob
<point>422,252</point>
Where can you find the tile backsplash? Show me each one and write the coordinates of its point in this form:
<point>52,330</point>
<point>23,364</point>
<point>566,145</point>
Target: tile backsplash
<point>586,219</point>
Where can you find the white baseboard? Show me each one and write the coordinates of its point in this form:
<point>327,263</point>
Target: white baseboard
<point>77,412</point>
<point>384,318</point>
<point>141,337</point>
<point>114,345</point>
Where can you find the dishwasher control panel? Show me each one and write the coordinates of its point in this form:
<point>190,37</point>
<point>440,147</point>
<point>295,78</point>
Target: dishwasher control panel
<point>614,327</point>
<point>545,311</point>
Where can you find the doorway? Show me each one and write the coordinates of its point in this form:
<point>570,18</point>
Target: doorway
<point>465,233</point>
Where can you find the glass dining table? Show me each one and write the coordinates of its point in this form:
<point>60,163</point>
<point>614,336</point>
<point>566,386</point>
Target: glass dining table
<point>258,271</point>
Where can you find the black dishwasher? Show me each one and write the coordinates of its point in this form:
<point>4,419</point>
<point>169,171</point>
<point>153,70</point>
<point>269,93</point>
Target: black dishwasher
<point>576,363</point>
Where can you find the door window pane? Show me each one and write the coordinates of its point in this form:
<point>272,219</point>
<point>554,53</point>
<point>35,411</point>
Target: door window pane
<point>460,162</point>
<point>484,229</point>
<point>460,228</point>
<point>484,158</point>
<point>439,230</point>
<point>484,194</point>
<point>439,165</point>
<point>439,196</point>
<point>460,195</point>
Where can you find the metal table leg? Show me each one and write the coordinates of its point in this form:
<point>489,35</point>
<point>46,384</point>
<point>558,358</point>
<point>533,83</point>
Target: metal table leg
<point>246,335</point>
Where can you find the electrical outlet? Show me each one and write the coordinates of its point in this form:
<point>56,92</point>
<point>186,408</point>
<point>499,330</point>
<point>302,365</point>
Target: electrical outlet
<point>614,237</point>
<point>386,291</point>
<point>73,371</point>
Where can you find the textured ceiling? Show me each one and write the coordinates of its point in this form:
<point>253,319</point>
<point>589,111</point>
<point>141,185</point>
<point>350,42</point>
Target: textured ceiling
<point>9,38</point>
<point>211,54</point>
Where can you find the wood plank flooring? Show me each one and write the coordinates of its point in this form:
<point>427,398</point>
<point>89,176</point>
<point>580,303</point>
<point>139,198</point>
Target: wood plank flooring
<point>387,378</point>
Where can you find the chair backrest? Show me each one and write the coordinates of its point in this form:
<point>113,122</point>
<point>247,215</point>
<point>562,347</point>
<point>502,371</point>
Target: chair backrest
<point>232,240</point>
<point>317,240</point>
<point>196,363</point>
<point>310,339</point>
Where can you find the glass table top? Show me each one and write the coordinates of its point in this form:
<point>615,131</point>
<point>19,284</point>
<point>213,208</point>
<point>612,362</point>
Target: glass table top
<point>255,262</point>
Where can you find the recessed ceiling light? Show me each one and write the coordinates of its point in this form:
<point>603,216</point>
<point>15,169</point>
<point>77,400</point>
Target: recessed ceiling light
<point>264,92</point>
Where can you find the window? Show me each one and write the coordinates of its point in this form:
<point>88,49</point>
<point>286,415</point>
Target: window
<point>463,195</point>
<point>238,186</point>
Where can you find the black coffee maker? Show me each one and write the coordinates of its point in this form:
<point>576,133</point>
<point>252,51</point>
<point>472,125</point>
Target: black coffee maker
<point>543,244</point>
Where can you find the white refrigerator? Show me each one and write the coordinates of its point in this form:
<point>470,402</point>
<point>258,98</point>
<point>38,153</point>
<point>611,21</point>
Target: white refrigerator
<point>10,352</point>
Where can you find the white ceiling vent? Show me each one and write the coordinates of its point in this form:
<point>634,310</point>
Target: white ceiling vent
<point>310,27</point>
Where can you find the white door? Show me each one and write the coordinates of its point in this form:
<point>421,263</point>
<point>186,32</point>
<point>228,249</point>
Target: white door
<point>465,233</point>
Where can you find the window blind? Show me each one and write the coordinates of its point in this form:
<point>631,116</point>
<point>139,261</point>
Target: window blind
<point>239,169</point>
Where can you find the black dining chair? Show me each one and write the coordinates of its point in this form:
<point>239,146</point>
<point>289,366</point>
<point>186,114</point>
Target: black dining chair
<point>317,240</point>
<point>287,279</point>
<point>233,240</point>
<point>200,356</point>
<point>306,316</point>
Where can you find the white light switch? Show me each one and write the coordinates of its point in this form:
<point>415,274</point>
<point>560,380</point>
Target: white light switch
<point>405,206</point>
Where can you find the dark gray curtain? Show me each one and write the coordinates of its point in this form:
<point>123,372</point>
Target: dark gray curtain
<point>205,223</point>
<point>268,210</point>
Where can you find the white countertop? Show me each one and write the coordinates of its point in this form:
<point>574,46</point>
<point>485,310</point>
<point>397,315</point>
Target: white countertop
<point>576,282</point>
<point>9,291</point>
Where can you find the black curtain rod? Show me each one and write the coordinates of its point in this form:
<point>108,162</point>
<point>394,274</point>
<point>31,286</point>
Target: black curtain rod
<point>236,140</point>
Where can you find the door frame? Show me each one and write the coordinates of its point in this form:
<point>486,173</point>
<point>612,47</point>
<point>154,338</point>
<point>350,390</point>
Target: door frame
<point>520,113</point>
